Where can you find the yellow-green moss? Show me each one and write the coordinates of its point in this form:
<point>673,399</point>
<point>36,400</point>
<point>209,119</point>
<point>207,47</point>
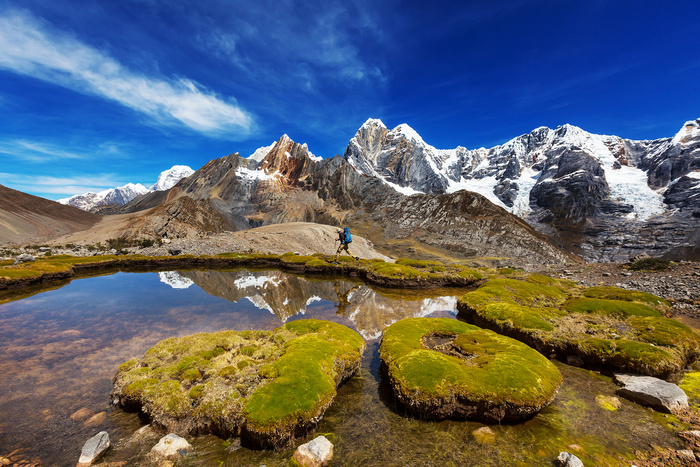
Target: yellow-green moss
<point>498,377</point>
<point>269,382</point>
<point>617,308</point>
<point>615,293</point>
<point>609,326</point>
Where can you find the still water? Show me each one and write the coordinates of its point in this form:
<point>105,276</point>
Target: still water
<point>60,348</point>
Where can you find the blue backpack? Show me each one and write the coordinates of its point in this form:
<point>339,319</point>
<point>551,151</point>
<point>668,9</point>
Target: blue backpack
<point>348,237</point>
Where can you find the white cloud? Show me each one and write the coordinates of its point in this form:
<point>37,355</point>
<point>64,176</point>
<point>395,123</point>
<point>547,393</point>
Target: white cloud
<point>30,47</point>
<point>32,151</point>
<point>59,185</point>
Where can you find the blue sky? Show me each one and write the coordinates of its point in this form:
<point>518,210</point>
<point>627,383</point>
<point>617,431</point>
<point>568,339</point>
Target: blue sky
<point>98,93</point>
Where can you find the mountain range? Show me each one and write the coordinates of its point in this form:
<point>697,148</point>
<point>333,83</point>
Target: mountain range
<point>603,197</point>
<point>537,198</point>
<point>123,194</point>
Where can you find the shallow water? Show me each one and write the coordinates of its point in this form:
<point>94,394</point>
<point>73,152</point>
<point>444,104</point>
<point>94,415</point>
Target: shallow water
<point>59,350</point>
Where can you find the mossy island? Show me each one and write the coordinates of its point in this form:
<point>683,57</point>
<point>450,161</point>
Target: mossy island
<point>603,326</point>
<point>268,387</point>
<point>443,368</point>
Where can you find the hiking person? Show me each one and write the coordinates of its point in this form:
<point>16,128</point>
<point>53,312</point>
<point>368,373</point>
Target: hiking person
<point>345,238</point>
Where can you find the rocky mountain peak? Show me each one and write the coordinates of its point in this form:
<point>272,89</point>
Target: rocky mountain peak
<point>169,178</point>
<point>288,160</point>
<point>690,132</point>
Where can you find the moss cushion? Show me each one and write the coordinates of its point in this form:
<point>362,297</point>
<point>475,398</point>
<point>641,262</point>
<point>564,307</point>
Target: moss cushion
<point>607,326</point>
<point>268,386</point>
<point>440,368</point>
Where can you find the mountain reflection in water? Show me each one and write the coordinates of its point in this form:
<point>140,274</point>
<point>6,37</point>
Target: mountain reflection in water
<point>285,296</point>
<point>60,347</point>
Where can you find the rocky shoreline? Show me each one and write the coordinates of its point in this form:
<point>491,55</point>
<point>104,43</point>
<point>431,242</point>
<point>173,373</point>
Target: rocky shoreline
<point>679,284</point>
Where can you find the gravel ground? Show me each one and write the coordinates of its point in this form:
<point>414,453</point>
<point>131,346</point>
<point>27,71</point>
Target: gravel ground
<point>680,283</point>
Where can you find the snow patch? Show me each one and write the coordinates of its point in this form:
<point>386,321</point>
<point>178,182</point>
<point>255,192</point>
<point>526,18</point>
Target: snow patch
<point>629,184</point>
<point>248,174</point>
<point>255,281</point>
<point>409,133</point>
<point>313,299</point>
<point>261,152</point>
<point>528,178</point>
<point>175,280</point>
<point>404,190</point>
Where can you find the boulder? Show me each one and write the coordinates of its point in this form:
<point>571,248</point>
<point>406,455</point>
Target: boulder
<point>24,258</point>
<point>653,392</point>
<point>172,447</point>
<point>174,251</point>
<point>686,455</point>
<point>566,459</point>
<point>484,435</point>
<point>94,448</point>
<point>316,453</point>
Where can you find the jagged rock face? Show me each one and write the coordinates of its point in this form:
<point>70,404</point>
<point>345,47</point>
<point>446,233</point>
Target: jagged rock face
<point>566,182</point>
<point>289,184</point>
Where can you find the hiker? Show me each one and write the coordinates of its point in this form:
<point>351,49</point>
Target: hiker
<point>345,239</point>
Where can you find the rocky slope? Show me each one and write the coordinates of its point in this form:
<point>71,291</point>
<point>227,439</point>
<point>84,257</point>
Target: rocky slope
<point>26,218</point>
<point>602,196</point>
<point>289,184</point>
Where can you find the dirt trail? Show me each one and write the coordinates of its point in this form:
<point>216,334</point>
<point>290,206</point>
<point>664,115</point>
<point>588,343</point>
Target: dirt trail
<point>301,237</point>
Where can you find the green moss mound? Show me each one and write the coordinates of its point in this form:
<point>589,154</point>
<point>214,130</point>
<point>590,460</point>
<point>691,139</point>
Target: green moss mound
<point>605,326</point>
<point>405,273</point>
<point>440,368</point>
<point>268,386</point>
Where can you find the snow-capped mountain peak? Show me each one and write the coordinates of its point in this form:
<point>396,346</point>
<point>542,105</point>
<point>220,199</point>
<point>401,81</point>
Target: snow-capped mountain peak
<point>123,194</point>
<point>408,132</point>
<point>119,195</point>
<point>689,131</point>
<point>169,178</point>
<point>261,152</point>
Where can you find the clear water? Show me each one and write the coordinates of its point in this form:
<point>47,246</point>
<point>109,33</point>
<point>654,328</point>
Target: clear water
<point>60,348</point>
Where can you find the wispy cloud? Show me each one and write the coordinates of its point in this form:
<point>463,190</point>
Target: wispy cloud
<point>29,46</point>
<point>58,186</point>
<point>32,151</point>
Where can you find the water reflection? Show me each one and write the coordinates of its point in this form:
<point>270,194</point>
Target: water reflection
<point>286,296</point>
<point>59,349</point>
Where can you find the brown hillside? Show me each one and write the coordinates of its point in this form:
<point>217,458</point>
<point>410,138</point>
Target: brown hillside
<point>27,218</point>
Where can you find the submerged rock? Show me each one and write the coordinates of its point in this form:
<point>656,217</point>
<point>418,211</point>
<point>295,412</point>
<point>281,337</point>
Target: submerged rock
<point>97,419</point>
<point>94,448</point>
<point>484,435</point>
<point>440,368</point>
<point>266,386</point>
<point>653,392</point>
<point>316,453</point>
<point>171,447</point>
<point>566,459</point>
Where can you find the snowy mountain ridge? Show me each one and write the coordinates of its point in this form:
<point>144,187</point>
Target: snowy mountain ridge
<point>123,194</point>
<point>506,174</point>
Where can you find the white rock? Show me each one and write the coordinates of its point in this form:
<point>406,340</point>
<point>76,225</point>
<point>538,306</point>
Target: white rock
<point>566,459</point>
<point>24,258</point>
<point>171,446</point>
<point>94,448</point>
<point>654,392</point>
<point>316,453</point>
